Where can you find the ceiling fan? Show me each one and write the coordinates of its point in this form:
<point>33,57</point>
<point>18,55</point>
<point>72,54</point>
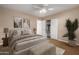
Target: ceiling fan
<point>39,5</point>
<point>42,8</point>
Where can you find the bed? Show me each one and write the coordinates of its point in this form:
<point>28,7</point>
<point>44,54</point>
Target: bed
<point>21,43</point>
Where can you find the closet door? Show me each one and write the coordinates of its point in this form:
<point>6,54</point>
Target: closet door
<point>44,28</point>
<point>41,27</point>
<point>54,28</point>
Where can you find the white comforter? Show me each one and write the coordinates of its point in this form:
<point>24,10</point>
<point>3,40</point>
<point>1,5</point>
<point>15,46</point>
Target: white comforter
<point>22,43</point>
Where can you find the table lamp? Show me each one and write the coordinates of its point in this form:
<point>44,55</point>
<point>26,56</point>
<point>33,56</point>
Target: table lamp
<point>6,31</point>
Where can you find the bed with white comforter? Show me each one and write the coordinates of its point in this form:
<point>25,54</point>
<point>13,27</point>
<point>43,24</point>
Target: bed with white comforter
<point>21,44</point>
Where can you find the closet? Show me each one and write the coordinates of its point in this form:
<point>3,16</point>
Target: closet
<point>48,28</point>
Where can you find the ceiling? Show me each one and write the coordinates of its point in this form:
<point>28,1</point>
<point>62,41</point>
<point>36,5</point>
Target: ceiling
<point>28,8</point>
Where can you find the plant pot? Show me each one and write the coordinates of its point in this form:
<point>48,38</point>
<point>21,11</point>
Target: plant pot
<point>72,42</point>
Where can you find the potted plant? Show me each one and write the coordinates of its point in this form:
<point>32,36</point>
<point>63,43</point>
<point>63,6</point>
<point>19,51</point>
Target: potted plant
<point>71,28</point>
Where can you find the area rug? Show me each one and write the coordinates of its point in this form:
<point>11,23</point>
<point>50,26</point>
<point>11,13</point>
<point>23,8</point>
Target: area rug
<point>59,51</point>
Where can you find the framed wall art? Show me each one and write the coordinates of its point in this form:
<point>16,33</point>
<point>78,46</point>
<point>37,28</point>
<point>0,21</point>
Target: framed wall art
<point>20,22</point>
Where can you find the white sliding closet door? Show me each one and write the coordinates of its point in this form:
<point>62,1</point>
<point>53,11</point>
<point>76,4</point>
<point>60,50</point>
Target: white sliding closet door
<point>54,28</point>
<point>41,27</point>
<point>44,28</point>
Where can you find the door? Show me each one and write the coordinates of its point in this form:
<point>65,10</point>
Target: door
<point>41,27</point>
<point>54,28</point>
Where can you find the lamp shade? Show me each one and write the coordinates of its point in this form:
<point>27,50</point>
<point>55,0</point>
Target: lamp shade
<point>5,30</point>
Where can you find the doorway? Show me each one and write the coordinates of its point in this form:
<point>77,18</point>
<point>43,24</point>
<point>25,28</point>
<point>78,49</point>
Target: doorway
<point>48,25</point>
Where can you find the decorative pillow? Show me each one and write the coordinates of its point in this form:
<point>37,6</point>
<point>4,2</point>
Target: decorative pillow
<point>24,31</point>
<point>14,32</point>
<point>11,33</point>
<point>18,31</point>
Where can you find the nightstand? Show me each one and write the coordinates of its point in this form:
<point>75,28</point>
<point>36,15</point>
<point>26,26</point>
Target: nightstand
<point>5,41</point>
<point>4,50</point>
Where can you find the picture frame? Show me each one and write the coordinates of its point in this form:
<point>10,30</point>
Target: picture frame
<point>20,22</point>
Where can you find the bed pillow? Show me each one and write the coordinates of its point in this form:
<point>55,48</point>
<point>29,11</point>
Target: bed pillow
<point>14,32</point>
<point>24,32</point>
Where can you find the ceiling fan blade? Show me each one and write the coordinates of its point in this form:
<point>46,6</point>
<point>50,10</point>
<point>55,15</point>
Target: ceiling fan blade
<point>39,6</point>
<point>36,7</point>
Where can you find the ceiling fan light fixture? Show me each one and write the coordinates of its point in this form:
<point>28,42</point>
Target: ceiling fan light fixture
<point>43,11</point>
